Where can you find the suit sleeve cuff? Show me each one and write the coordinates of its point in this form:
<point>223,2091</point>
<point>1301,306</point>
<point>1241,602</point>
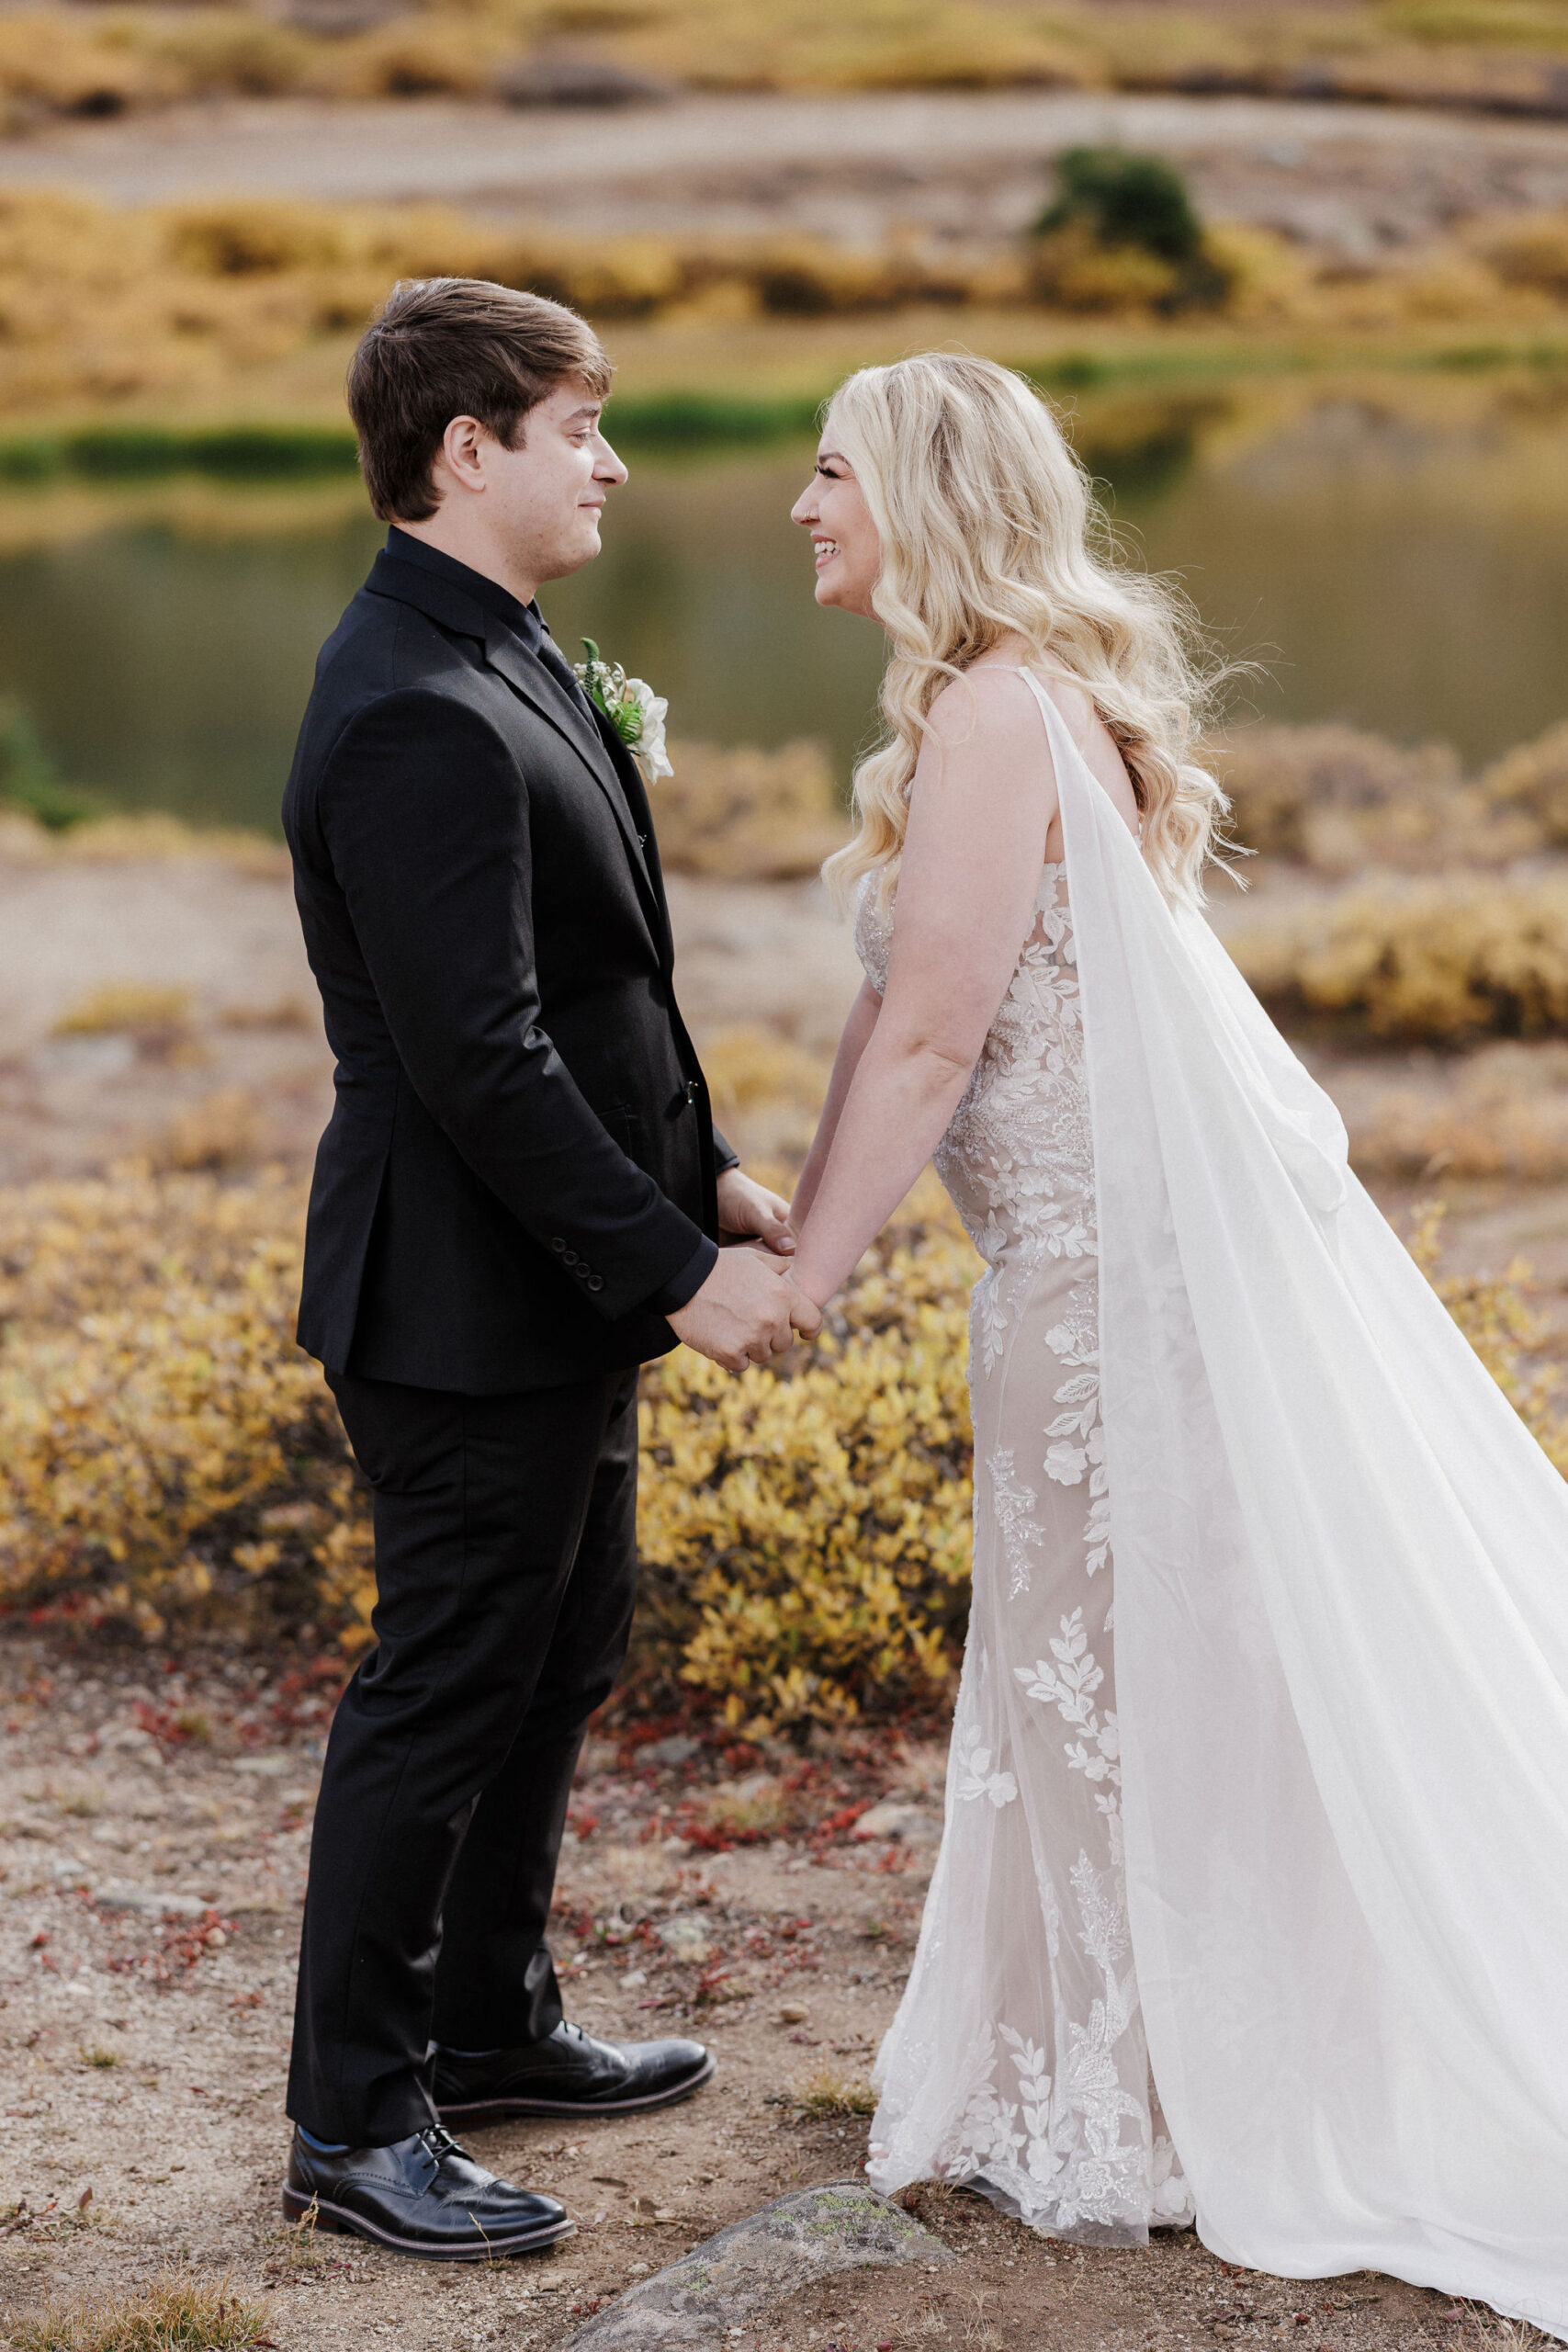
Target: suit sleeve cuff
<point>725,1156</point>
<point>672,1296</point>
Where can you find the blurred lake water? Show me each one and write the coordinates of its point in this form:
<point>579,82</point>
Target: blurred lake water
<point>1395,554</point>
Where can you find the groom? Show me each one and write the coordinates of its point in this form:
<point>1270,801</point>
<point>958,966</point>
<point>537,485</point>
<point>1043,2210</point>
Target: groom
<point>517,1202</point>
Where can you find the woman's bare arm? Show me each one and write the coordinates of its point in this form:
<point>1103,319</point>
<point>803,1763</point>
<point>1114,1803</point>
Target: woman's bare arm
<point>980,805</point>
<point>851,1045</point>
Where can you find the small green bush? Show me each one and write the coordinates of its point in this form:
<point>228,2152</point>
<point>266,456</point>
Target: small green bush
<point>1122,231</point>
<point>1126,199</point>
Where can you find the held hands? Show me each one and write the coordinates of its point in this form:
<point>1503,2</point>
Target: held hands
<point>748,1310</point>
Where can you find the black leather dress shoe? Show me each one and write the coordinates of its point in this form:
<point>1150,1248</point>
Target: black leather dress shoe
<point>423,2195</point>
<point>569,2073</point>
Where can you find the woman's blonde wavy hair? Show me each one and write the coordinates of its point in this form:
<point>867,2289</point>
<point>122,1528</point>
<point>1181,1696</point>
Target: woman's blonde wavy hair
<point>989,528</point>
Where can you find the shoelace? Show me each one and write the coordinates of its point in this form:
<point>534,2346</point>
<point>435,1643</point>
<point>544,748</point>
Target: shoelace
<point>440,2142</point>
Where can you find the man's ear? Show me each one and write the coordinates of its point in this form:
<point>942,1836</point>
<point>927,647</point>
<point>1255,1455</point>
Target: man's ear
<point>460,455</point>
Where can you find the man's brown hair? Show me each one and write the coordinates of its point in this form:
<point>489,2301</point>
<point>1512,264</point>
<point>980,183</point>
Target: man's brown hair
<point>442,347</point>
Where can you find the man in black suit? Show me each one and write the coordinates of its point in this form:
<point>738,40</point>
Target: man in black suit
<point>518,1201</point>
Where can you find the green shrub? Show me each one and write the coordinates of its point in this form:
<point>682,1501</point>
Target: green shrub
<point>1122,231</point>
<point>1126,199</point>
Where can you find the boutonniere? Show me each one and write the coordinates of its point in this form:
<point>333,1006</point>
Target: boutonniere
<point>633,709</point>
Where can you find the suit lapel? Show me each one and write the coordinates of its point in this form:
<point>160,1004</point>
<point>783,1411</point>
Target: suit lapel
<point>531,678</point>
<point>592,739</point>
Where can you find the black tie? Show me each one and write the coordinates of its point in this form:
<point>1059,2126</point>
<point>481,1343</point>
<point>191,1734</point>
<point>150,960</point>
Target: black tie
<point>561,669</point>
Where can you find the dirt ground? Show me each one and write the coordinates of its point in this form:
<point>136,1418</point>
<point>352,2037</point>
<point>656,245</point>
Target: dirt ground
<point>962,165</point>
<point>155,1811</point>
<point>155,1827</point>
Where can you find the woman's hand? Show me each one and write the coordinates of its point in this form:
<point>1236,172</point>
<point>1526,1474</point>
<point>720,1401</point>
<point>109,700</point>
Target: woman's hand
<point>749,1212</point>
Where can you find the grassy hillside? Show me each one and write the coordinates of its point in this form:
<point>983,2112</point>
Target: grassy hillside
<point>1493,53</point>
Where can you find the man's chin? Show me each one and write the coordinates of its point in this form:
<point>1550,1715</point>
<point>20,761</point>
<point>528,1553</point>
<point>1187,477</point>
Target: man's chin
<point>572,558</point>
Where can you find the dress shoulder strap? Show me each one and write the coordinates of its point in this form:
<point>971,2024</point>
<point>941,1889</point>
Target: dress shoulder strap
<point>1057,732</point>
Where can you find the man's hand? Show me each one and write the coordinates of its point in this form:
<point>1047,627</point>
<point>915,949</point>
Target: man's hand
<point>804,1311</point>
<point>742,1312</point>
<point>749,1212</point>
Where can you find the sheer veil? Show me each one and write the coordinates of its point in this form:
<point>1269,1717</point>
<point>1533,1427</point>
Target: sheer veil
<point>1341,1651</point>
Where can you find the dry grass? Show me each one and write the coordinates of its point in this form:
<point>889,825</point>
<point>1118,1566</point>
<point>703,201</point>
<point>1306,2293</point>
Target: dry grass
<point>1441,962</point>
<point>1338,800</point>
<point>830,2090</point>
<point>126,841</point>
<point>223,1132</point>
<point>1500,1112</point>
<point>103,305</point>
<point>154,1016</point>
<point>747,815</point>
<point>1401,52</point>
<point>1530,784</point>
<point>175,2314</point>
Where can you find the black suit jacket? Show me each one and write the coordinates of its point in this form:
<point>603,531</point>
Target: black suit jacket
<point>520,1158</point>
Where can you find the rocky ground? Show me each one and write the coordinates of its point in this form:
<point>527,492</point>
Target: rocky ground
<point>155,1811</point>
<point>154,1824</point>
<point>970,167</point>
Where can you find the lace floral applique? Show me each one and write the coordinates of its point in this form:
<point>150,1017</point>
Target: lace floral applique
<point>1070,1686</point>
<point>1018,2060</point>
<point>974,1776</point>
<point>1076,1339</point>
<point>1071,2135</point>
<point>1012,1503</point>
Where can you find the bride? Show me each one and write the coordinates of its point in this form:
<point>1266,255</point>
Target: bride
<point>1252,1903</point>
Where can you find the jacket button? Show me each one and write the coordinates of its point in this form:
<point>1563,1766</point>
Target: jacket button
<point>580,1271</point>
<point>596,1282</point>
<point>571,1258</point>
<point>559,1244</point>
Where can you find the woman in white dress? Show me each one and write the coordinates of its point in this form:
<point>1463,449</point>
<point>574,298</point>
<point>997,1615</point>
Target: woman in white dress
<point>1252,1903</point>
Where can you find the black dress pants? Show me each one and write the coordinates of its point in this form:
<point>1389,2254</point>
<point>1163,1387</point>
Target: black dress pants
<point>505,1570</point>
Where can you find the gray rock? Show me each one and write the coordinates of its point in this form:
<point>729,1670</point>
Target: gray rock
<point>151,1901</point>
<point>910,1823</point>
<point>808,2236</point>
<point>676,1749</point>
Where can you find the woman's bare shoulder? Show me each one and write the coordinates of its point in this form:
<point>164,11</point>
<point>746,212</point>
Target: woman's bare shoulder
<point>988,700</point>
<point>1074,701</point>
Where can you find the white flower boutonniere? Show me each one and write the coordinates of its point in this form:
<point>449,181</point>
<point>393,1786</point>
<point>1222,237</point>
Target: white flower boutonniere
<point>633,709</point>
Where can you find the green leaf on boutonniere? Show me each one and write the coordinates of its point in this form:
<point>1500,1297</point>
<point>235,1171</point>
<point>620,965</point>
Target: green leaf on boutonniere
<point>633,709</point>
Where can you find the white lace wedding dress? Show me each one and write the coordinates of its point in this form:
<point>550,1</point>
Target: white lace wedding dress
<point>1285,1830</point>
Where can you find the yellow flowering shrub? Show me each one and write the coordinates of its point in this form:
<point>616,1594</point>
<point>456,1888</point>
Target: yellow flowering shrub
<point>1516,1343</point>
<point>169,1458</point>
<point>805,1530</point>
<point>164,1447</point>
<point>1338,800</point>
<point>1439,962</point>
